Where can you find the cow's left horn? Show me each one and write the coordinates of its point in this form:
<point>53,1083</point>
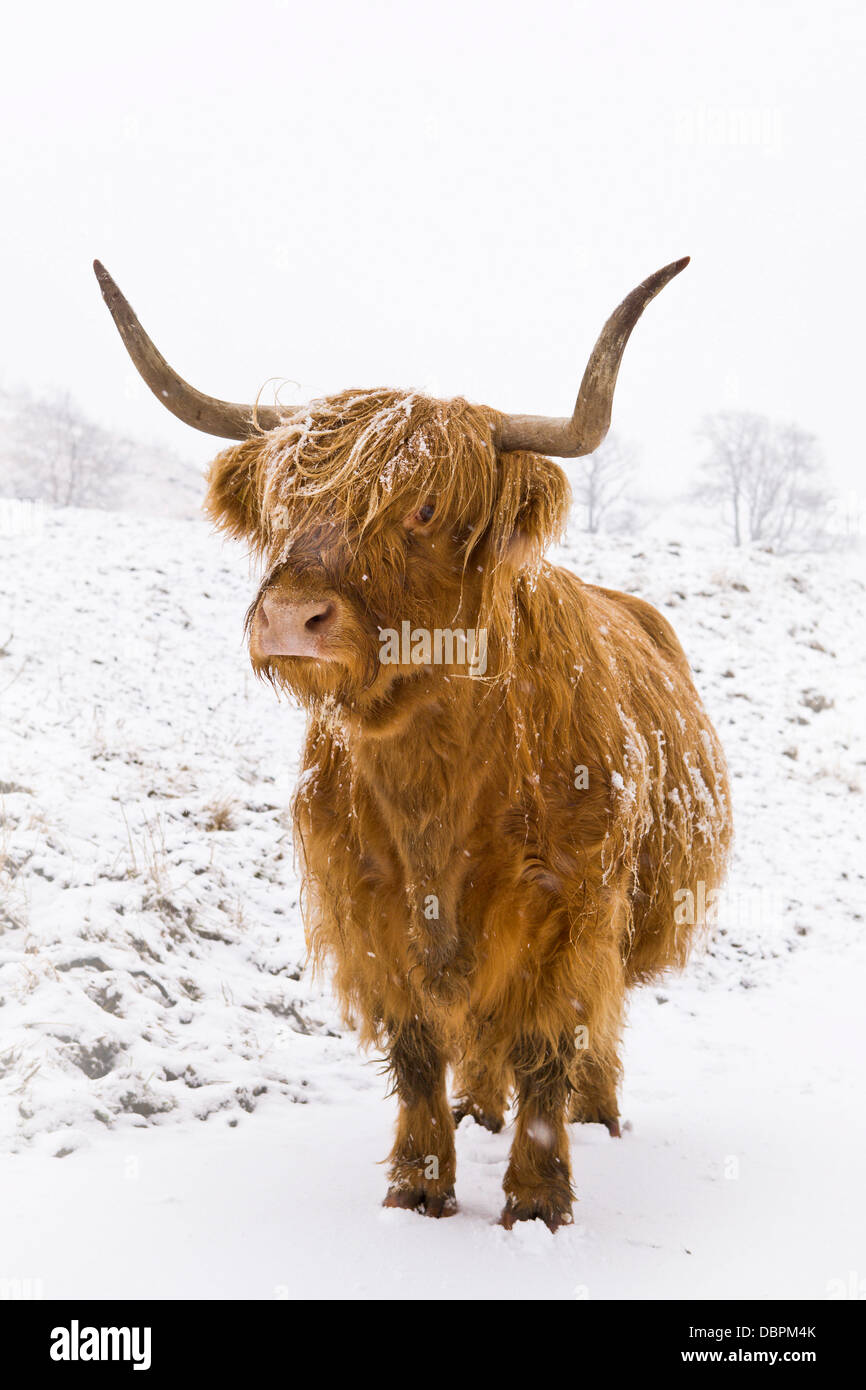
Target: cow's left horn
<point>581,433</point>
<point>206,413</point>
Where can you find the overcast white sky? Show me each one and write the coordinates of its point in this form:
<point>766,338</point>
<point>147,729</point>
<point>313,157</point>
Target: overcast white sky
<point>451,196</point>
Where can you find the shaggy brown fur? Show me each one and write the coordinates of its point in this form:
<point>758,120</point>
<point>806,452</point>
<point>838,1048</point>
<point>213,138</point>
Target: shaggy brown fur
<point>488,862</point>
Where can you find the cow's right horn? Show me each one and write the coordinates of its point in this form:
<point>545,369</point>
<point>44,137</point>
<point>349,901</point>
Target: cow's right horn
<point>205,413</point>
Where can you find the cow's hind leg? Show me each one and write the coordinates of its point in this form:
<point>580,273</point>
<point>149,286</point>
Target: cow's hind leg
<point>538,1180</point>
<point>483,1081</point>
<point>597,1069</point>
<point>594,1095</point>
<point>422,1162</point>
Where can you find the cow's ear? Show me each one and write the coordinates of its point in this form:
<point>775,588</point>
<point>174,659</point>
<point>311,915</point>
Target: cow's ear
<point>532,503</point>
<point>233,499</point>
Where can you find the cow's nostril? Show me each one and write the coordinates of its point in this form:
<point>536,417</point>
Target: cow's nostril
<point>318,620</point>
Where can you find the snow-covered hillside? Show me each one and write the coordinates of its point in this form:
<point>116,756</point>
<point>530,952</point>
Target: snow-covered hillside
<point>160,1034</point>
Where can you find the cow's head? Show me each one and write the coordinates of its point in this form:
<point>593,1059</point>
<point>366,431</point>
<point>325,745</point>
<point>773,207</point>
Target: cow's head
<point>382,516</point>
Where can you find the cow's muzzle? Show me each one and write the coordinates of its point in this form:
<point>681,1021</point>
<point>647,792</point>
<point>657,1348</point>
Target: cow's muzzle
<point>284,628</point>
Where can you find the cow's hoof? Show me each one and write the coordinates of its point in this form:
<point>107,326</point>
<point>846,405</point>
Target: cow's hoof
<point>437,1204</point>
<point>481,1117</point>
<point>536,1210</point>
<point>598,1117</point>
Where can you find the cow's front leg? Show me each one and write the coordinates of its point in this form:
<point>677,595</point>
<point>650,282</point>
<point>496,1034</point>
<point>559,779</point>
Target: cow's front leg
<point>422,1162</point>
<point>538,1180</point>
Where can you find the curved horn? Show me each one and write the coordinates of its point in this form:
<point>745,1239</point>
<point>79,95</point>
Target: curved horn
<point>204,413</point>
<point>587,427</point>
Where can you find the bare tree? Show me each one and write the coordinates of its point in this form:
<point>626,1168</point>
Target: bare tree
<point>603,487</point>
<point>51,452</point>
<point>764,477</point>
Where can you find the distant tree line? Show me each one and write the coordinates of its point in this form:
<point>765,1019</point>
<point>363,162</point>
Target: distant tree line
<point>763,478</point>
<point>762,481</point>
<point>51,452</point>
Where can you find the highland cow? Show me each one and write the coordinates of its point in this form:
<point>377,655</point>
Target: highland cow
<point>490,858</point>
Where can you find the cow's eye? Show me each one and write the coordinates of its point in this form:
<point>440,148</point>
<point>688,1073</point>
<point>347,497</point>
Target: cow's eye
<point>421,517</point>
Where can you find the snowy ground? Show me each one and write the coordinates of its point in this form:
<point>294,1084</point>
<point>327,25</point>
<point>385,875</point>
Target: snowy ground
<point>159,1035</point>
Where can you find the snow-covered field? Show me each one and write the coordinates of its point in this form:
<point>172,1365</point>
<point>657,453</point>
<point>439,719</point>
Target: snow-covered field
<point>180,1113</point>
